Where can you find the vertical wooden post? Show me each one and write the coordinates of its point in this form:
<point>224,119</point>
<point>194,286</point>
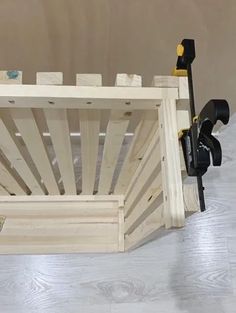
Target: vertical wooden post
<point>171,169</point>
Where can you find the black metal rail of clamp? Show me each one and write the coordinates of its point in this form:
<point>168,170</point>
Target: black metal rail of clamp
<point>198,143</point>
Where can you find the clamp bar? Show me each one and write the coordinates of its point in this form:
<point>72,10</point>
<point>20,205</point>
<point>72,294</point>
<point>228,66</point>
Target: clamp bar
<point>186,55</point>
<point>198,141</point>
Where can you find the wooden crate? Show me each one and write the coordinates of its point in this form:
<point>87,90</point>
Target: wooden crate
<point>88,168</point>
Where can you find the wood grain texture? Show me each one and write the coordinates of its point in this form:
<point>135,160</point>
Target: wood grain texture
<point>116,129</point>
<point>27,126</point>
<point>142,137</point>
<point>89,97</point>
<point>12,150</point>
<point>60,135</point>
<point>171,168</point>
<point>89,121</point>
<point>190,270</point>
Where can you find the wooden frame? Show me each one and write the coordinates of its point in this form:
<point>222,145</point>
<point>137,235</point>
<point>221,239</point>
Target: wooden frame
<point>88,168</point>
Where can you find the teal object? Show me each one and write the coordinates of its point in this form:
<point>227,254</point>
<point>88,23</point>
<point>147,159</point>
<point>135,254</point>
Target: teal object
<point>12,74</point>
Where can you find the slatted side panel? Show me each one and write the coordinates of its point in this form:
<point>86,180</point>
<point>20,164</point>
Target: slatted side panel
<point>142,137</point>
<point>144,198</point>
<point>8,182</point>
<point>59,227</point>
<point>89,131</point>
<point>60,135</point>
<point>11,149</point>
<point>116,129</point>
<point>13,152</point>
<point>58,127</point>
<point>30,133</point>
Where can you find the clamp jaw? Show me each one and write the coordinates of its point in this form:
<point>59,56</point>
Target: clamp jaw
<point>198,143</point>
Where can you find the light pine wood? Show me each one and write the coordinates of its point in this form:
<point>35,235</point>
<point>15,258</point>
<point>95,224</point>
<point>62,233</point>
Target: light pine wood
<point>183,122</point>
<point>128,80</point>
<point>11,77</point>
<point>116,129</point>
<point>190,194</point>
<point>3,191</point>
<point>11,149</point>
<point>183,88</point>
<point>147,230</point>
<point>26,124</point>
<point>181,83</point>
<point>89,131</point>
<point>148,190</point>
<point>165,81</point>
<point>9,182</point>
<point>146,204</point>
<point>60,135</point>
<point>122,98</point>
<point>89,80</point>
<point>49,225</point>
<point>121,231</point>
<point>49,78</point>
<point>149,166</point>
<point>65,198</point>
<point>171,170</point>
<point>142,137</point>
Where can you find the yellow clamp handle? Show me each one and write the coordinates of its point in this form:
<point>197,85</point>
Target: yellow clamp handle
<point>176,72</point>
<point>180,53</point>
<point>180,50</point>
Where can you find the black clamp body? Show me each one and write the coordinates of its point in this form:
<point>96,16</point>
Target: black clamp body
<point>198,143</point>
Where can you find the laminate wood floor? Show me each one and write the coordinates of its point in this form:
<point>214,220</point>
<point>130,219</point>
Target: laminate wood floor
<point>190,270</point>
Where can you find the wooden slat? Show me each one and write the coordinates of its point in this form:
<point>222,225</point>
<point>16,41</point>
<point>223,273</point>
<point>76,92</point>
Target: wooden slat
<point>146,231</point>
<point>89,80</point>
<point>119,199</point>
<point>11,77</point>
<point>171,169</point>
<point>142,136</point>
<point>121,234</point>
<point>53,220</point>
<point>89,131</point>
<point>53,246</point>
<point>150,200</point>
<point>49,78</point>
<point>131,80</point>
<point>84,207</point>
<point>144,174</point>
<point>116,129</point>
<point>26,124</point>
<point>3,191</point>
<point>183,122</point>
<point>60,135</point>
<point>11,149</point>
<point>122,98</point>
<point>8,182</point>
<point>190,194</point>
<point>13,227</point>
